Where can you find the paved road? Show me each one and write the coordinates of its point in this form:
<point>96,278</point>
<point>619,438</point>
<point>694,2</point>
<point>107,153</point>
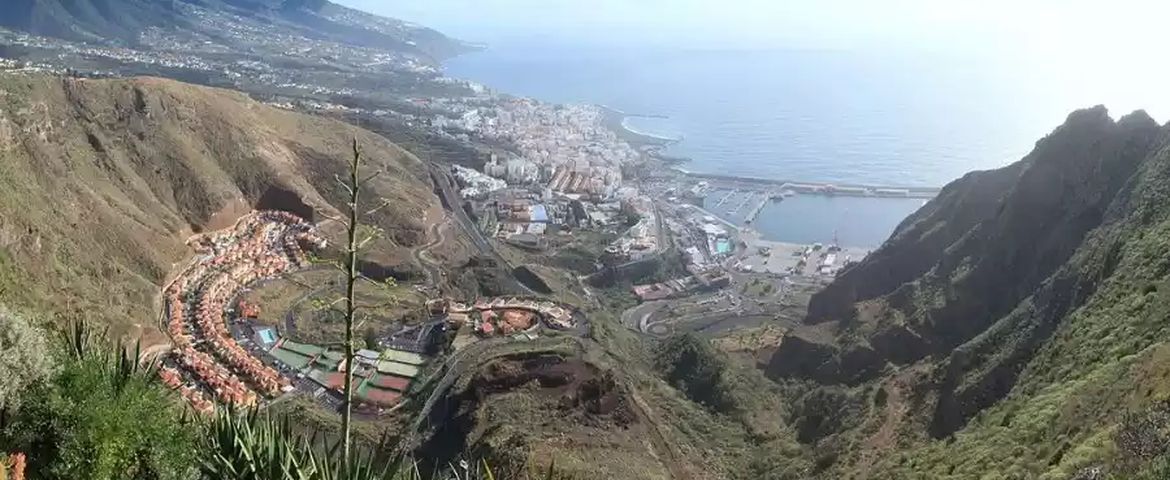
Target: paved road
<point>647,317</point>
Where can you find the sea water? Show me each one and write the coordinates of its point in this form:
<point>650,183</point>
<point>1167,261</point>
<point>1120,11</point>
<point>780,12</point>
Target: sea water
<point>834,117</point>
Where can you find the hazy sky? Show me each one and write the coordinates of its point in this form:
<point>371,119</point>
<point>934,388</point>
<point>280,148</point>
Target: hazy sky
<point>985,25</point>
<point>1096,51</point>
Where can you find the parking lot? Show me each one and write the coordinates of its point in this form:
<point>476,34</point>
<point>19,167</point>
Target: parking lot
<point>778,258</point>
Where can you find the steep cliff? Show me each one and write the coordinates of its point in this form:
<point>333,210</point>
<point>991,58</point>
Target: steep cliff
<point>1000,294</point>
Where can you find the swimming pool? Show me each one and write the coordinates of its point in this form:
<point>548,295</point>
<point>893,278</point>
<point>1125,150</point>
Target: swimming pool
<point>266,335</point>
<point>722,246</point>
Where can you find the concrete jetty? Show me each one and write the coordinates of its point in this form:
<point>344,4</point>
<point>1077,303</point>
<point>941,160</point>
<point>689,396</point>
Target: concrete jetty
<point>755,212</point>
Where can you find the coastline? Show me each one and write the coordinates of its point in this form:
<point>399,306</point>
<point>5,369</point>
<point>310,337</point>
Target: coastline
<point>615,120</point>
<point>625,124</point>
<point>651,145</point>
<point>658,163</point>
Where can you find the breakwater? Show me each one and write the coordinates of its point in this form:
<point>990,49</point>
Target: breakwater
<point>732,182</point>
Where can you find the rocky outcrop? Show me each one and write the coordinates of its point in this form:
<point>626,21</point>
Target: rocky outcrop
<point>478,409</point>
<point>917,243</point>
<point>802,357</point>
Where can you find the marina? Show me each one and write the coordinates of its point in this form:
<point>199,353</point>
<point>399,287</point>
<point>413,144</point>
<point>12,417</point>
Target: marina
<point>740,207</point>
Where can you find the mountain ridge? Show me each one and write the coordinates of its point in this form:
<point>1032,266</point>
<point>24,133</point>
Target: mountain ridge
<point>996,297</point>
<point>124,21</point>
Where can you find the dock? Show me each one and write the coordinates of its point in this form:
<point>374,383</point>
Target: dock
<point>755,212</point>
<point>739,207</point>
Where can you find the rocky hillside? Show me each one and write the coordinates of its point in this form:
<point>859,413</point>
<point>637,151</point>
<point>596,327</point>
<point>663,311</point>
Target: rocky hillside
<point>1007,326</point>
<point>102,181</point>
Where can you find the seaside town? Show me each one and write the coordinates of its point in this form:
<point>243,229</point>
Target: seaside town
<point>250,53</point>
<point>562,172</point>
<point>559,172</point>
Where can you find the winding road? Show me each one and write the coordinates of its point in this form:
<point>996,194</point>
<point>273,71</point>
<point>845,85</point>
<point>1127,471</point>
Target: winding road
<point>432,268</point>
<point>648,317</point>
<point>453,203</point>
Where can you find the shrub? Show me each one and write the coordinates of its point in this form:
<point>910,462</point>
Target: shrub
<point>1143,436</point>
<point>696,369</point>
<point>24,361</point>
<point>101,416</point>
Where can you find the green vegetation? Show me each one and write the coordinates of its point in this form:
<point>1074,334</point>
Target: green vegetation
<point>1014,328</point>
<point>617,297</point>
<point>100,416</point>
<point>691,365</point>
<point>983,342</point>
<point>24,361</point>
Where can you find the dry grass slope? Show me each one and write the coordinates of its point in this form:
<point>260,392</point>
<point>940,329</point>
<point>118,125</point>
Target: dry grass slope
<point>101,181</point>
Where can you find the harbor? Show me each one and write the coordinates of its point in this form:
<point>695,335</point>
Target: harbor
<point>859,215</point>
<point>797,212</point>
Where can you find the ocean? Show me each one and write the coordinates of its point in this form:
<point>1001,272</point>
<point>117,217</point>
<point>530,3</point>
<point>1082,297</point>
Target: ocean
<point>824,116</point>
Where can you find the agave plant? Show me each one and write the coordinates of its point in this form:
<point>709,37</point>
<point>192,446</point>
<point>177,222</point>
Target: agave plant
<point>246,446</point>
<point>254,446</point>
<point>120,365</point>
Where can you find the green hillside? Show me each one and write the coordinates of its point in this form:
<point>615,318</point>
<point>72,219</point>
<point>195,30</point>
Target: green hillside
<point>1009,326</point>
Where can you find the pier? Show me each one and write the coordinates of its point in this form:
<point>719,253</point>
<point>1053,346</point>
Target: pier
<point>739,207</point>
<point>755,212</point>
<point>723,200</point>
